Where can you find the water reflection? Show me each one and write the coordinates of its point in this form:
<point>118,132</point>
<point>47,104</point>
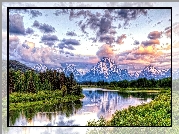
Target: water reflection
<point>96,103</point>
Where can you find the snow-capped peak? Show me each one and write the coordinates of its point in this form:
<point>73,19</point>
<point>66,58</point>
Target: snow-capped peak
<point>40,67</point>
<point>151,69</point>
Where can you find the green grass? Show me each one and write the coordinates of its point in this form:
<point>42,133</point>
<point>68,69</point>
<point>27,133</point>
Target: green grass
<point>24,100</point>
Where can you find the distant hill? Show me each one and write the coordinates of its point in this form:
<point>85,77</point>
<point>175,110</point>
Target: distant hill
<point>16,65</point>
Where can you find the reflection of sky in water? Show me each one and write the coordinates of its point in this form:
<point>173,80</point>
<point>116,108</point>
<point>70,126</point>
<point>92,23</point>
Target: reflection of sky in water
<point>95,104</point>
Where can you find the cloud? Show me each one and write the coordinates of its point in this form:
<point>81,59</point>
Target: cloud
<point>130,14</point>
<point>44,55</point>
<point>108,39</point>
<point>46,28</point>
<point>150,42</point>
<point>70,42</point>
<point>71,33</point>
<point>62,11</point>
<point>69,53</point>
<point>13,43</point>
<point>105,25</point>
<point>62,46</point>
<point>136,42</point>
<point>93,22</point>
<point>140,56</point>
<point>120,39</point>
<point>16,24</point>
<point>29,31</point>
<point>36,23</point>
<point>154,35</point>
<point>30,44</point>
<point>105,51</point>
<point>147,50</point>
<point>25,46</point>
<point>49,39</point>
<point>49,43</point>
<point>112,31</point>
<point>35,13</point>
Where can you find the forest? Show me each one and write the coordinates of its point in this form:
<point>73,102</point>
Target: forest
<point>32,82</point>
<point>139,83</point>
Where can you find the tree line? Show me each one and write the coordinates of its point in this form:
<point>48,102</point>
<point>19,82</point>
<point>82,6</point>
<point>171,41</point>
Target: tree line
<point>30,81</point>
<point>139,83</point>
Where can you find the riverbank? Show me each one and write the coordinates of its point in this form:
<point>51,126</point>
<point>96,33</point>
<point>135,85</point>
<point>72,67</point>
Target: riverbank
<point>21,101</point>
<point>155,113</point>
<point>108,88</point>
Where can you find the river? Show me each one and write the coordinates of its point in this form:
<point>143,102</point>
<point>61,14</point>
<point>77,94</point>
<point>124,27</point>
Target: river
<point>96,103</point>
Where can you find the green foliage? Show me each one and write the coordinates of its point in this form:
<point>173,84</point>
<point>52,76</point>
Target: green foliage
<point>135,84</point>
<point>31,82</point>
<point>156,113</point>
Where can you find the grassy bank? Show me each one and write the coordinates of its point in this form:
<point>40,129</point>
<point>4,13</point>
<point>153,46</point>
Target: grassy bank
<point>24,100</point>
<point>128,89</point>
<point>155,113</point>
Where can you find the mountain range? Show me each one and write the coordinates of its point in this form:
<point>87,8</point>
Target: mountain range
<point>107,70</point>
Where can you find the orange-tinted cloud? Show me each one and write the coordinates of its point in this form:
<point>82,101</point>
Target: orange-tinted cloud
<point>150,42</point>
<point>30,44</point>
<point>147,50</point>
<point>105,51</point>
<point>13,38</point>
<point>154,35</point>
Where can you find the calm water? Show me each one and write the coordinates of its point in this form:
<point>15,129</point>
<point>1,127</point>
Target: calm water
<point>96,103</point>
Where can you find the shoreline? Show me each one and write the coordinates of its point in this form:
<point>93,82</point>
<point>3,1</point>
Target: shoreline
<point>124,91</point>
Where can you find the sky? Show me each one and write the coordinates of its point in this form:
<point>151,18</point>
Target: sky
<point>133,38</point>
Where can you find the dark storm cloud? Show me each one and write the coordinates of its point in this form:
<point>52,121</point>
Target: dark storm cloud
<point>108,39</point>
<point>49,39</point>
<point>70,42</point>
<point>107,14</point>
<point>25,46</point>
<point>93,39</point>
<point>130,14</point>
<point>150,42</point>
<point>83,28</point>
<point>105,25</point>
<point>29,31</point>
<point>36,23</point>
<point>16,24</point>
<point>71,33</point>
<point>93,22</point>
<point>62,46</point>
<point>46,28</point>
<point>120,39</point>
<point>69,53</point>
<point>136,42</point>
<point>112,31</point>
<point>49,43</point>
<point>154,35</point>
<point>35,13</point>
<point>80,13</point>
